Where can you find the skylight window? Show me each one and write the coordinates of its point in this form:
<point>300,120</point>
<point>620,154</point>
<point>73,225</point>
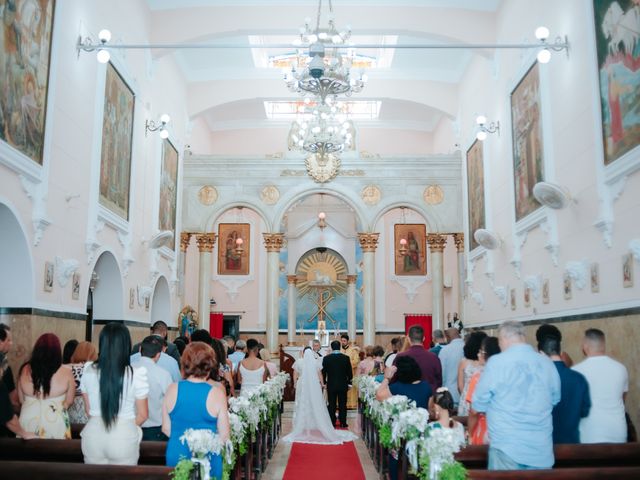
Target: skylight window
<point>294,109</point>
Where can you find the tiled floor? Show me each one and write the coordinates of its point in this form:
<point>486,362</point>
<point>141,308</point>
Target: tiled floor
<point>278,463</point>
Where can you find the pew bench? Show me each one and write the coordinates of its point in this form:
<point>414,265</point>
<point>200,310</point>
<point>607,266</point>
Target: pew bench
<point>19,470</point>
<point>592,473</point>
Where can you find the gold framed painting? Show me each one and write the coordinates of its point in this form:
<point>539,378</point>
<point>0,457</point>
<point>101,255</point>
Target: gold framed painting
<point>527,297</point>
<point>233,256</point>
<point>75,286</point>
<point>475,191</point>
<point>594,275</point>
<point>25,57</point>
<point>545,291</point>
<point>627,270</point>
<point>528,154</point>
<point>414,261</point>
<point>512,297</point>
<point>117,138</point>
<point>566,286</point>
<point>168,191</point>
<point>48,276</point>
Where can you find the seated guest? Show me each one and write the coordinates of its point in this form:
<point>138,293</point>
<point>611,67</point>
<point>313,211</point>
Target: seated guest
<point>115,395</point>
<point>67,351</point>
<point>84,352</point>
<point>46,389</point>
<point>574,401</point>
<point>225,367</point>
<point>444,408</point>
<point>159,381</point>
<point>6,374</point>
<point>9,423</point>
<point>194,403</point>
<point>469,365</point>
<point>165,361</point>
<point>408,382</point>
<point>238,355</point>
<point>271,367</point>
<point>251,371</point>
<point>477,422</point>
<point>608,385</point>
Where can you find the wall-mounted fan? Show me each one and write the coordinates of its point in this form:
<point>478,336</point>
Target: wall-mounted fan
<point>551,195</point>
<point>160,238</point>
<point>487,238</point>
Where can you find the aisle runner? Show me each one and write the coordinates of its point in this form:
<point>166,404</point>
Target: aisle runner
<point>320,462</point>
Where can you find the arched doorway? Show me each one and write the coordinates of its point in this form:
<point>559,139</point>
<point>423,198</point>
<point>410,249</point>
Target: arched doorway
<point>161,302</point>
<point>104,300</point>
<point>16,276</point>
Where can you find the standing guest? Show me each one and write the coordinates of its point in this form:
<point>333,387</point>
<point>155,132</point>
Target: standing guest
<point>230,343</point>
<point>195,403</point>
<point>160,329</point>
<point>396,343</point>
<point>373,364</point>
<point>165,361</point>
<point>427,361</point>
<point>468,366</point>
<point>477,422</point>
<point>316,347</point>
<point>608,386</point>
<point>406,344</point>
<point>159,381</point>
<point>517,390</point>
<point>67,351</point>
<point>115,395</point>
<point>450,356</point>
<point>366,364</point>
<point>438,340</point>
<point>84,352</point>
<point>548,329</point>
<point>181,344</point>
<point>225,367</point>
<point>6,375</point>
<point>337,375</point>
<point>265,355</point>
<point>201,335</point>
<point>353,352</point>
<point>239,354</point>
<point>574,401</point>
<point>46,389</point>
<point>251,371</point>
<point>9,423</point>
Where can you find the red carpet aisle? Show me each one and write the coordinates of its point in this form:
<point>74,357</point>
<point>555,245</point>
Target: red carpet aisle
<point>321,462</point>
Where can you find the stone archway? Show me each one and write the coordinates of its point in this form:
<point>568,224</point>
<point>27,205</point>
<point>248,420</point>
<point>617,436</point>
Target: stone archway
<point>161,302</point>
<point>17,278</point>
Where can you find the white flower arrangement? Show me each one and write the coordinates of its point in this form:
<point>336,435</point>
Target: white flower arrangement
<point>410,424</point>
<point>439,445</point>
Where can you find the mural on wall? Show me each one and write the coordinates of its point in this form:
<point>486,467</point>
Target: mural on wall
<point>168,190</point>
<point>617,27</point>
<point>25,47</point>
<point>475,191</point>
<point>414,261</point>
<point>528,161</point>
<point>117,135</point>
<point>231,261</point>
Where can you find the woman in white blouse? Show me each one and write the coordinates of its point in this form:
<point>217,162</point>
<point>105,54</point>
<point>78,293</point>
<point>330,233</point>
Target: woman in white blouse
<point>115,396</point>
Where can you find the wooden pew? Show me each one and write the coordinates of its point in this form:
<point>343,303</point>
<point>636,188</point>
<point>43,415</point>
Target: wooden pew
<point>10,470</point>
<point>593,473</point>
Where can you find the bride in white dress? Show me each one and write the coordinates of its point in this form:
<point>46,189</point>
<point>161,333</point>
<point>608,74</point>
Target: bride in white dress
<point>311,422</point>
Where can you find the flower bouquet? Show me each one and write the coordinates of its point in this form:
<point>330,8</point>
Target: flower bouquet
<point>201,443</point>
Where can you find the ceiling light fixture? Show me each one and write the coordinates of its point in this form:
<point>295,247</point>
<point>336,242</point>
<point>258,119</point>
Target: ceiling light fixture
<point>322,132</point>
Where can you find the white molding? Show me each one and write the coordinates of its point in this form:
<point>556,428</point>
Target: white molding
<point>65,269</point>
<point>502,292</point>
<point>634,246</point>
<point>410,285</point>
<point>37,192</point>
<point>579,272</point>
<point>232,285</point>
<point>534,284</point>
<point>127,257</point>
<point>20,163</point>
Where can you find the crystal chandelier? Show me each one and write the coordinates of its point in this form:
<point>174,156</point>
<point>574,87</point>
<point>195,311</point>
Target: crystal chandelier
<point>322,132</point>
<point>326,73</point>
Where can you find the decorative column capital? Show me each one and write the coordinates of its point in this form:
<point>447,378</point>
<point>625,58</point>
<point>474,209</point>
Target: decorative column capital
<point>351,279</point>
<point>458,238</point>
<point>292,279</point>
<point>436,242</point>
<point>185,238</point>
<point>205,241</point>
<point>368,241</point>
<point>273,242</point>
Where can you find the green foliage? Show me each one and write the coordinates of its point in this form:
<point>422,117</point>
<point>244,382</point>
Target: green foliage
<point>182,470</point>
<point>453,471</point>
<point>385,436</point>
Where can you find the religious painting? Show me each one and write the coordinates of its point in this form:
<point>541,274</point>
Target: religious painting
<point>512,295</point>
<point>75,286</point>
<point>627,270</point>
<point>566,286</point>
<point>117,135</point>
<point>527,297</point>
<point>413,262</point>
<point>48,276</point>
<point>594,275</point>
<point>132,298</point>
<point>147,301</point>
<point>475,191</point>
<point>168,191</point>
<point>617,28</point>
<point>25,47</point>
<point>526,124</point>
<point>545,291</point>
<point>233,248</point>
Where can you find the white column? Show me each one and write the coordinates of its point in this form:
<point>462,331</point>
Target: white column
<point>291,309</point>
<point>436,244</point>
<point>368,242</point>
<point>185,238</point>
<point>458,238</point>
<point>205,241</point>
<point>351,306</point>
<point>273,243</point>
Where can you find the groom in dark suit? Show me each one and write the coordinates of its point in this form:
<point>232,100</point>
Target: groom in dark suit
<point>337,374</point>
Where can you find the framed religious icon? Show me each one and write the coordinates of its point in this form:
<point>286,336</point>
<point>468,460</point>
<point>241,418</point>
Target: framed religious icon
<point>75,286</point>
<point>594,274</point>
<point>168,191</point>
<point>413,261</point>
<point>512,296</point>
<point>147,302</point>
<point>527,297</point>
<point>132,298</point>
<point>48,276</point>
<point>566,286</point>
<point>117,136</point>
<point>545,291</point>
<point>234,246</point>
<point>528,153</point>
<point>617,28</point>
<point>25,62</point>
<point>475,191</point>
<point>627,270</point>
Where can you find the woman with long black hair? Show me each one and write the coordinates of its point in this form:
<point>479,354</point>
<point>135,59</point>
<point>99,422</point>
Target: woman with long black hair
<point>115,396</point>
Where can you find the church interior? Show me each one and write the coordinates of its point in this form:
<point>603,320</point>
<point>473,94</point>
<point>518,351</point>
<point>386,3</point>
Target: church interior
<point>291,170</point>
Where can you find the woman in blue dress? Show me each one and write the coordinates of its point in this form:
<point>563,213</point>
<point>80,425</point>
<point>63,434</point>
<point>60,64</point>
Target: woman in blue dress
<point>195,403</point>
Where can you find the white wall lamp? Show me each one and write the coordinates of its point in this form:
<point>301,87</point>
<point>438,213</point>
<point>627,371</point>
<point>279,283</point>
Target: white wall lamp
<point>559,44</point>
<point>88,45</point>
<point>161,125</point>
<point>484,128</point>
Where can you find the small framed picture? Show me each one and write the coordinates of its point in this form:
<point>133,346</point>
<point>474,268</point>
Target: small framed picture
<point>75,286</point>
<point>527,297</point>
<point>513,298</point>
<point>48,276</point>
<point>147,300</point>
<point>566,285</point>
<point>595,278</point>
<point>545,291</point>
<point>132,298</point>
<point>627,270</point>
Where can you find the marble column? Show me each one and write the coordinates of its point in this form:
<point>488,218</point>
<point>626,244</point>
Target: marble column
<point>185,238</point>
<point>351,306</point>
<point>205,241</point>
<point>458,238</point>
<point>291,309</point>
<point>368,242</point>
<point>273,243</point>
<point>437,242</point>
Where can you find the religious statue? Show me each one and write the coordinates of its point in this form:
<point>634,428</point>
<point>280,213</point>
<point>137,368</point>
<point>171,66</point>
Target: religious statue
<point>187,321</point>
<point>322,335</point>
<point>353,352</point>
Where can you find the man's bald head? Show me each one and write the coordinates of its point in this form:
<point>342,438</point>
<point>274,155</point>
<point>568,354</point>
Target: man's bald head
<point>593,342</point>
<point>451,334</point>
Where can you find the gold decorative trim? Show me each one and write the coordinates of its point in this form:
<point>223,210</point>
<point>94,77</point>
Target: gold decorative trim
<point>351,279</point>
<point>292,279</point>
<point>185,238</point>
<point>368,241</point>
<point>273,242</point>
<point>436,242</point>
<point>206,241</point>
<point>458,238</point>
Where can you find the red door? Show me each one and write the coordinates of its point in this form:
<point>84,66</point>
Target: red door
<point>422,319</point>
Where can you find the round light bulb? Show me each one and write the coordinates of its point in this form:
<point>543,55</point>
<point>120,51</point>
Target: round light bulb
<point>164,133</point>
<point>542,33</point>
<point>103,56</point>
<point>481,135</point>
<point>322,215</point>
<point>239,241</point>
<point>403,241</point>
<point>336,39</point>
<point>364,78</point>
<point>307,100</point>
<point>104,35</point>
<point>313,38</point>
<point>297,42</point>
<point>322,35</point>
<point>164,118</point>
<point>481,119</point>
<point>544,55</point>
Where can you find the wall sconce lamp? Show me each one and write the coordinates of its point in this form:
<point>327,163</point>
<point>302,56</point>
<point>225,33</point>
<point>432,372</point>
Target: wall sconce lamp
<point>87,45</point>
<point>321,220</point>
<point>559,44</point>
<point>484,129</point>
<point>239,250</point>
<point>402,251</point>
<point>151,126</point>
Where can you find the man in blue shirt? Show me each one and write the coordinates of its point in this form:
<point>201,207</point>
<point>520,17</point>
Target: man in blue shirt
<point>450,357</point>
<point>575,401</point>
<point>518,389</point>
<point>165,361</point>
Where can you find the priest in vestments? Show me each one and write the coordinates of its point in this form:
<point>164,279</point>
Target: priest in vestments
<point>353,353</point>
